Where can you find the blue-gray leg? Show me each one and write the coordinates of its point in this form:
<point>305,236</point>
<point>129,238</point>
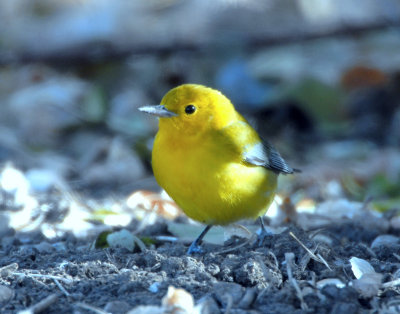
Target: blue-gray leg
<point>195,246</point>
<point>263,233</point>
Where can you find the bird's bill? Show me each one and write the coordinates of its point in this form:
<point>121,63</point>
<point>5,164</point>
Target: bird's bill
<point>159,111</point>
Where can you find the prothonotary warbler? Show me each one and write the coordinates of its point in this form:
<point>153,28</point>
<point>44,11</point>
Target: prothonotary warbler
<point>210,160</point>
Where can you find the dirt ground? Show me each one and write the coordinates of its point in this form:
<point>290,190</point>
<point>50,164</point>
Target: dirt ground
<point>278,277</point>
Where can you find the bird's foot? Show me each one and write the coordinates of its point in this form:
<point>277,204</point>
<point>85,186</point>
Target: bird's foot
<point>194,248</point>
<point>264,234</point>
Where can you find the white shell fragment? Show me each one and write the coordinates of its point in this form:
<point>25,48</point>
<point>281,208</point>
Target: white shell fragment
<point>360,267</point>
<point>330,281</point>
<point>368,281</point>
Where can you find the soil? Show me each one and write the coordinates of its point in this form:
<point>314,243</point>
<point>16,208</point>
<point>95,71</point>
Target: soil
<point>248,279</point>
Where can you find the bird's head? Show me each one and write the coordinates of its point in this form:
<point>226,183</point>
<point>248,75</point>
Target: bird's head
<point>193,109</point>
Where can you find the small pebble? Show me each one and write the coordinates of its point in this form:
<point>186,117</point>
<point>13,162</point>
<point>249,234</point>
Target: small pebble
<point>59,246</point>
<point>7,241</point>
<point>384,240</point>
<point>226,290</point>
<point>117,307</point>
<point>6,294</point>
<point>208,306</point>
<point>213,269</point>
<point>44,247</point>
<point>154,287</point>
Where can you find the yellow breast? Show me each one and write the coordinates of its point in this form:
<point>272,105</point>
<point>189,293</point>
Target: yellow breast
<point>210,185</point>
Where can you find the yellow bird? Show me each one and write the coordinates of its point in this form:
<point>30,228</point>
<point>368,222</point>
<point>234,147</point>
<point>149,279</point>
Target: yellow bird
<point>210,160</point>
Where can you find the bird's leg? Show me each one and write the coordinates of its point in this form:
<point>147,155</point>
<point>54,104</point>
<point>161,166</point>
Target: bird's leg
<point>263,233</point>
<point>195,246</point>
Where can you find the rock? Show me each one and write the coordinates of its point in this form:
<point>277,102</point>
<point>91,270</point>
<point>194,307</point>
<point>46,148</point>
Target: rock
<point>208,306</point>
<point>395,222</point>
<point>44,247</point>
<point>6,294</point>
<point>251,274</point>
<point>117,307</point>
<point>368,285</point>
<point>384,240</point>
<point>224,291</point>
<point>43,109</point>
<point>120,164</point>
<point>154,287</point>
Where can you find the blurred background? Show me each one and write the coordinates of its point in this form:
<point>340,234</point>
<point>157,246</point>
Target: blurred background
<point>320,79</point>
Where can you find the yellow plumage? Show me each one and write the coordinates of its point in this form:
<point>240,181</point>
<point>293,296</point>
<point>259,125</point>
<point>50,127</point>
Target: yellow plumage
<point>210,160</point>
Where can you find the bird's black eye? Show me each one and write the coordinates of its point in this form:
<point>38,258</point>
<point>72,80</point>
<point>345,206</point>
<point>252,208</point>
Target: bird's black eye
<point>190,109</point>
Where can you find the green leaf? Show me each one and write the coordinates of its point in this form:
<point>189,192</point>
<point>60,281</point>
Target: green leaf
<point>101,241</point>
<point>385,205</point>
<point>101,214</point>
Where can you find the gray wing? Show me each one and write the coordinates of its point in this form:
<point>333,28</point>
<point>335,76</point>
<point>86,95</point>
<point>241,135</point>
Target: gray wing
<point>265,155</point>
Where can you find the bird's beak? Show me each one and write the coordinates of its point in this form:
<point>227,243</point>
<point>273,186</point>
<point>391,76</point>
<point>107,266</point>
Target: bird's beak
<point>159,111</point>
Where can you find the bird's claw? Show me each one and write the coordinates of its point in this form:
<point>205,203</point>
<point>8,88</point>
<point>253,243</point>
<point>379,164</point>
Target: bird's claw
<point>263,233</point>
<point>194,248</point>
<point>262,236</point>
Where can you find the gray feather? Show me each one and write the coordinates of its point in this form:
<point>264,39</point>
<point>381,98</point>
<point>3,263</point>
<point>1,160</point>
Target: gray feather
<point>265,155</point>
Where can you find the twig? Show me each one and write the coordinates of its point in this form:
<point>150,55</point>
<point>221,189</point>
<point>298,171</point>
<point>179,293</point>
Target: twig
<point>323,261</point>
<point>289,261</point>
<point>61,287</point>
<point>391,284</point>
<point>304,247</point>
<point>166,238</point>
<point>397,256</point>
<point>235,247</point>
<point>276,266</point>
<point>65,280</point>
<point>313,256</point>
<point>41,306</point>
<point>370,251</point>
<point>239,226</point>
